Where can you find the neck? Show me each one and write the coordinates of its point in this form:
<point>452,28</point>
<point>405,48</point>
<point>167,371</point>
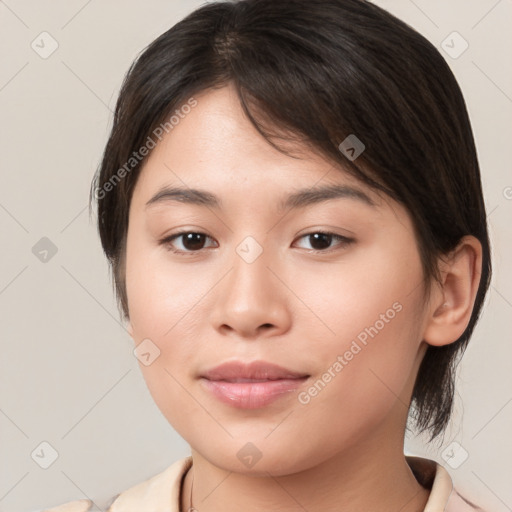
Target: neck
<point>372,476</point>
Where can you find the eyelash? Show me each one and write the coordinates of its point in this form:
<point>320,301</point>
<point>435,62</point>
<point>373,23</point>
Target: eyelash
<point>343,242</point>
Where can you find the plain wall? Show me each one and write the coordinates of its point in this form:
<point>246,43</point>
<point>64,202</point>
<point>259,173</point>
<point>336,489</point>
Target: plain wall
<point>68,375</point>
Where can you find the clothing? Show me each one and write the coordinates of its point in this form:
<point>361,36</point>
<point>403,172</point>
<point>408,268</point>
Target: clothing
<point>161,493</point>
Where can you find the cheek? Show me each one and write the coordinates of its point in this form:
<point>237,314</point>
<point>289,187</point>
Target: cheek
<point>160,295</point>
<point>375,290</point>
<point>164,301</point>
<point>365,357</point>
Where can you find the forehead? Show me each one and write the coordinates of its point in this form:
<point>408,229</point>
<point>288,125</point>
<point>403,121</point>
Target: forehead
<point>216,146</point>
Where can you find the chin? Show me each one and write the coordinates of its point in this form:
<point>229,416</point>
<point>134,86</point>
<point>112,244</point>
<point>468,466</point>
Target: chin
<point>260,457</point>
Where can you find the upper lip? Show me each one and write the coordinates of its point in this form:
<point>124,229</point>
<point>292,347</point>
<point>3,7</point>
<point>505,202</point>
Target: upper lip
<point>255,370</point>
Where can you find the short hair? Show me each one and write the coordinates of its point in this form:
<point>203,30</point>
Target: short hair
<point>318,71</point>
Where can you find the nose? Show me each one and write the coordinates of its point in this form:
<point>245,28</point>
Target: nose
<point>252,301</point>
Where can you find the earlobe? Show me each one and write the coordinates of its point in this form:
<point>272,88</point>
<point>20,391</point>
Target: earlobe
<point>453,300</point>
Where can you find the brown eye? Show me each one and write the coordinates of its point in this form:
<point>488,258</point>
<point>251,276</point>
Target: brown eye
<point>191,241</point>
<point>321,241</point>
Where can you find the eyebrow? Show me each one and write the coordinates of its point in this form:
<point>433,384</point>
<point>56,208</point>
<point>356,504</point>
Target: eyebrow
<point>295,200</point>
<point>306,197</point>
<point>185,195</point>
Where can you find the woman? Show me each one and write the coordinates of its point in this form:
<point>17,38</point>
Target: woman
<point>243,137</point>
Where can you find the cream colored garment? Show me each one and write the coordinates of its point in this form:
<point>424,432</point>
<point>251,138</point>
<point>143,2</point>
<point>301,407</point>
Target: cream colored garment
<point>161,493</point>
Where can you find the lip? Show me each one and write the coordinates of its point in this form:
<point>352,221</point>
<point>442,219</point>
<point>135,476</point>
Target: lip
<point>251,385</point>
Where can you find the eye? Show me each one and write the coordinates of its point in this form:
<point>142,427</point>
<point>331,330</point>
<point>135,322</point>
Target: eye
<point>191,242</point>
<point>321,240</point>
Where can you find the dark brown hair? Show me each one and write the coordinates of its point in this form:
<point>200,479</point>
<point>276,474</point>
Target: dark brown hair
<point>318,70</point>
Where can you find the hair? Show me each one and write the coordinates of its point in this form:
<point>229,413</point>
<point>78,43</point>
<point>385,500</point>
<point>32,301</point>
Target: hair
<point>318,71</point>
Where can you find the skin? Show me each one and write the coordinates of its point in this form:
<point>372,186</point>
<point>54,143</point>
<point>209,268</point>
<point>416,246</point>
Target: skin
<point>292,307</point>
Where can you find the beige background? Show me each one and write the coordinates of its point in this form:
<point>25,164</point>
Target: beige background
<point>68,376</point>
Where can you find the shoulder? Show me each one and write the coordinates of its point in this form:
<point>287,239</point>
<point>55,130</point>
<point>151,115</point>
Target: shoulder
<point>161,489</point>
<point>71,506</point>
<point>458,503</point>
<point>443,495</point>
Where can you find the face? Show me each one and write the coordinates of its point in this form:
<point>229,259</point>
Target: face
<point>329,289</point>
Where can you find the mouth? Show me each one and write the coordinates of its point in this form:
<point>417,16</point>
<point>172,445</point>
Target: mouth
<point>253,385</point>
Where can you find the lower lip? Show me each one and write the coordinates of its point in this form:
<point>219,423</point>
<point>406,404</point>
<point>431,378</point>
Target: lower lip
<point>251,395</point>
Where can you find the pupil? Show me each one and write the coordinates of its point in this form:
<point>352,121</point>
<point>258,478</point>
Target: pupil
<point>192,241</point>
<point>323,238</point>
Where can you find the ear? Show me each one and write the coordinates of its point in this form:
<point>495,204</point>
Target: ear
<point>452,301</point>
